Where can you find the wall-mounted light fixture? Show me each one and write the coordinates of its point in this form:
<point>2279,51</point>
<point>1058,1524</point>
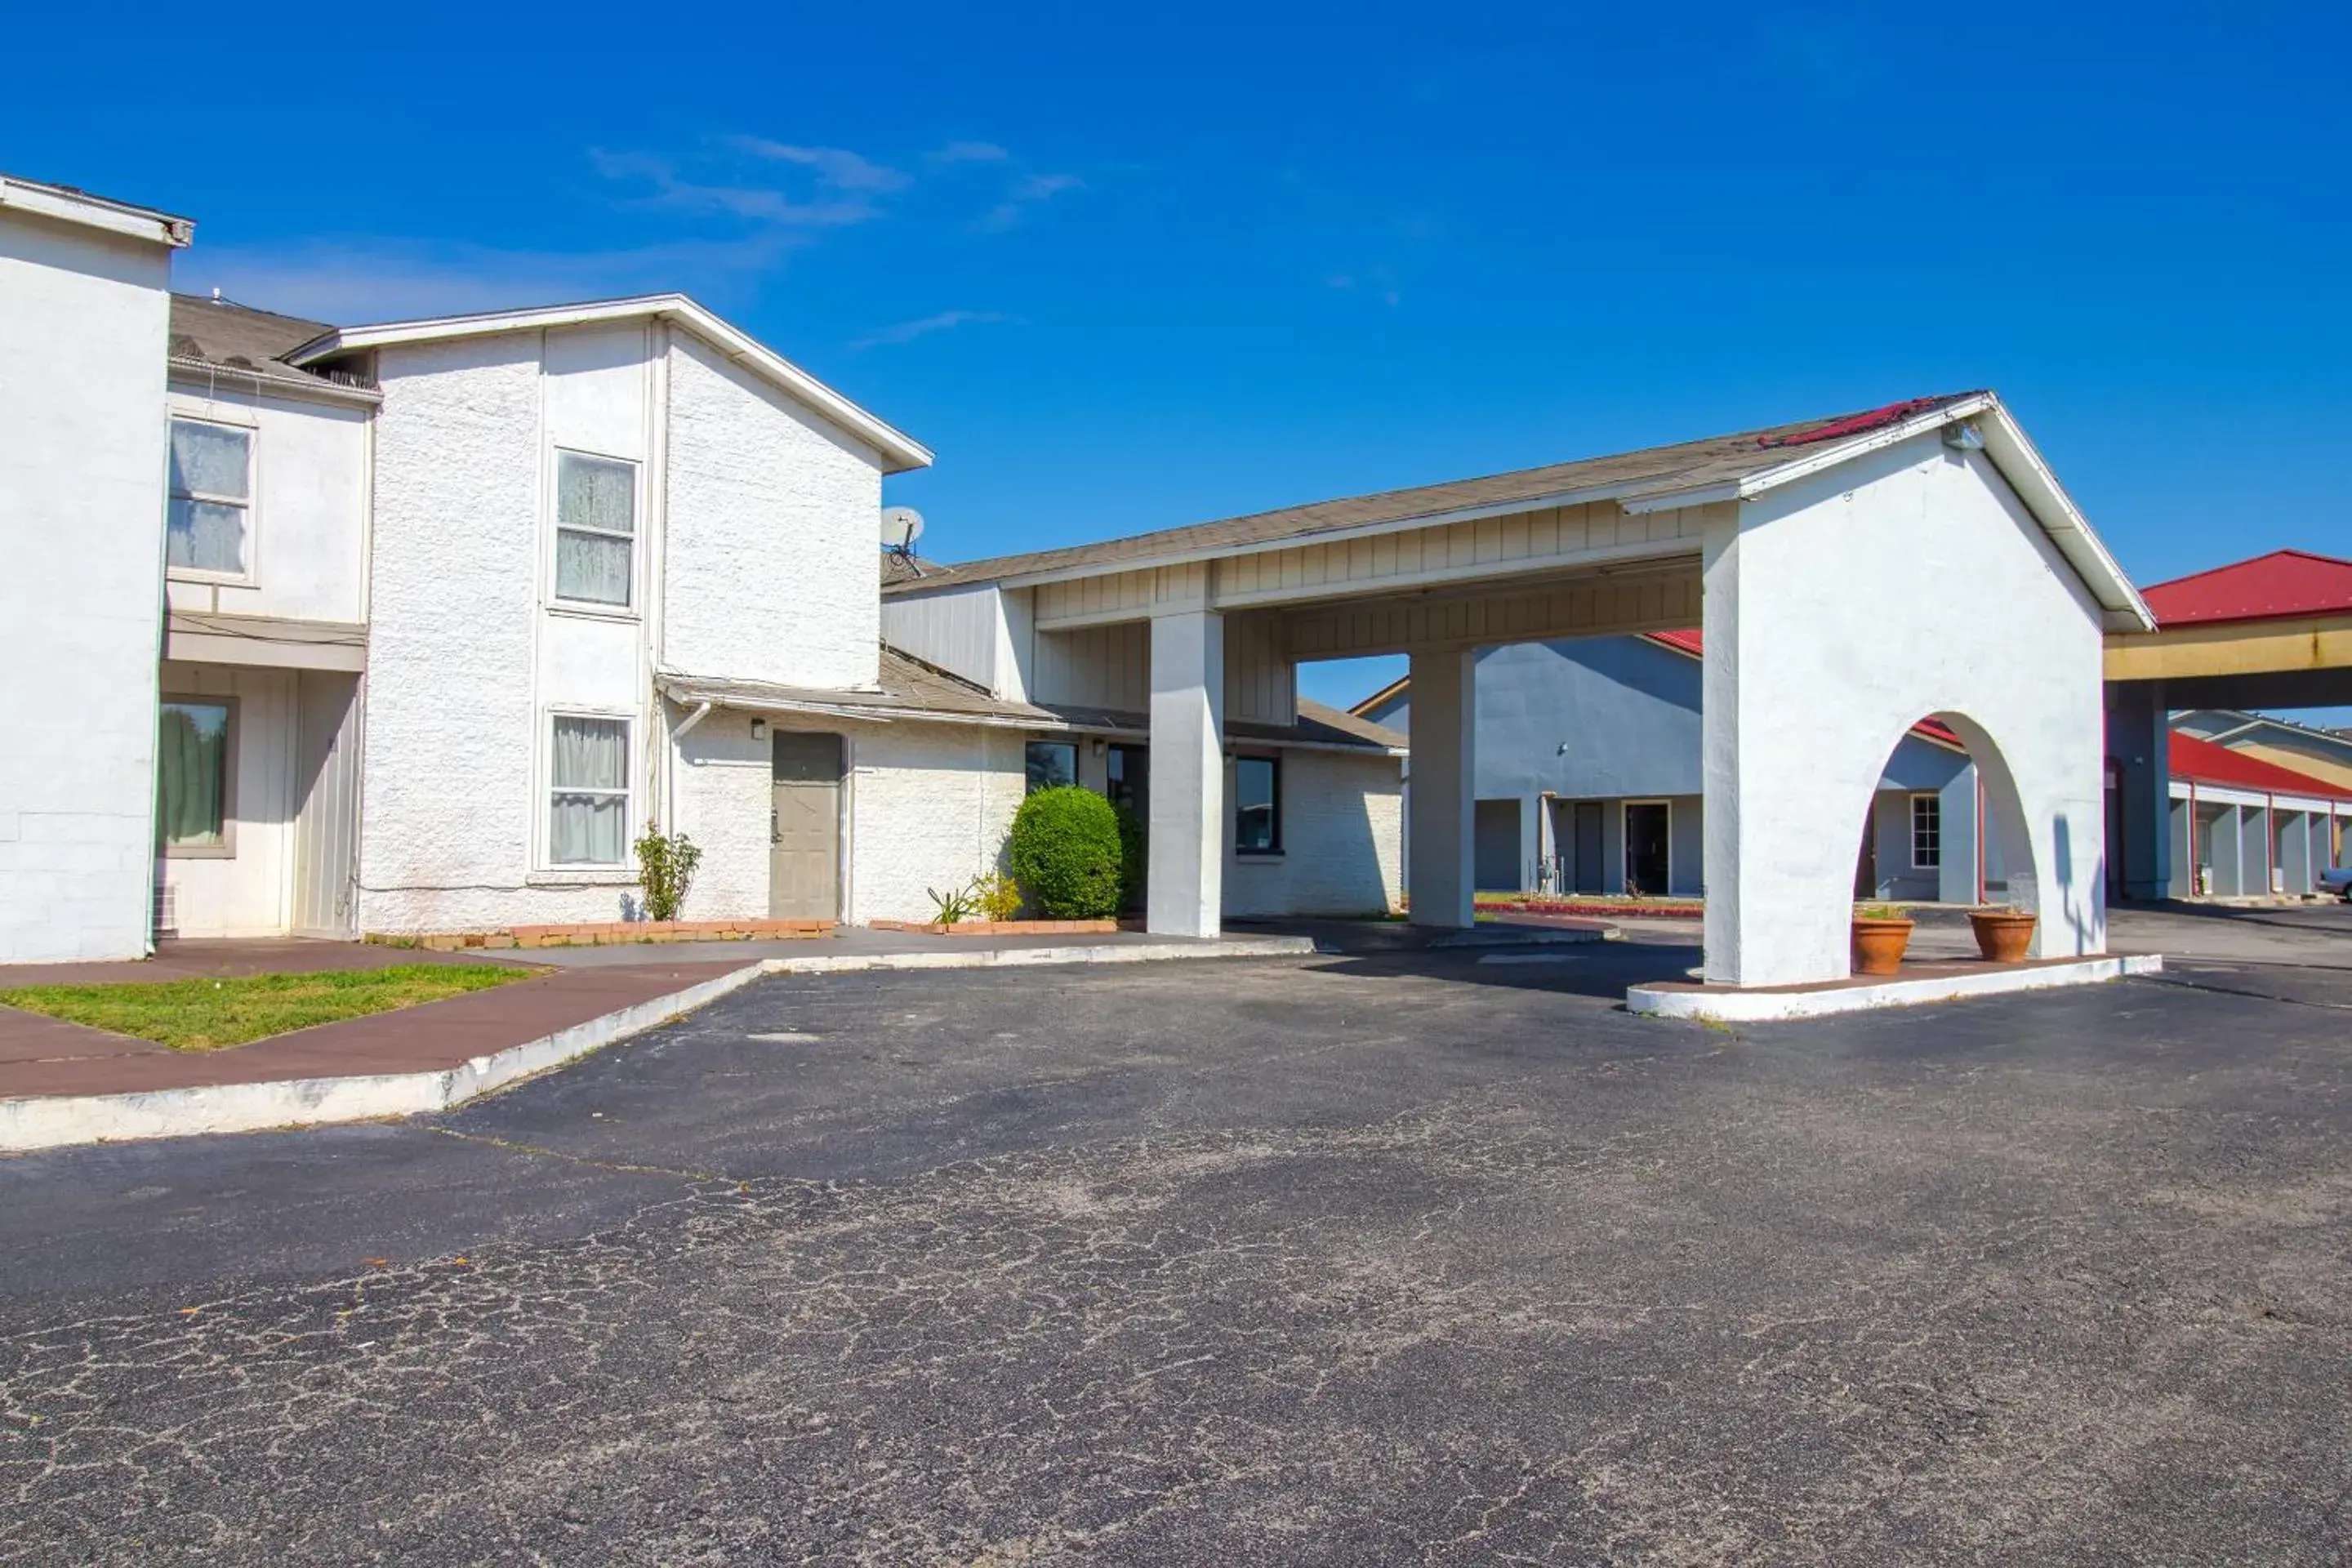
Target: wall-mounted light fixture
<point>759,728</point>
<point>1098,746</point>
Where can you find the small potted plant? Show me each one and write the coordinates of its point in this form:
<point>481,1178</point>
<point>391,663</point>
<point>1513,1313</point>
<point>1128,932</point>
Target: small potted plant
<point>2003,932</point>
<point>1881,932</point>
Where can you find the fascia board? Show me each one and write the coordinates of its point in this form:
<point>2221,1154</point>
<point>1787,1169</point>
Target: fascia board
<point>1268,546</point>
<point>2120,604</point>
<point>899,450</point>
<point>96,212</point>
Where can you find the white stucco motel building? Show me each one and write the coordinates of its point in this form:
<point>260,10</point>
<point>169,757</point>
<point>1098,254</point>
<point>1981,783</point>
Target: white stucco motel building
<point>448,610</point>
<point>412,627</point>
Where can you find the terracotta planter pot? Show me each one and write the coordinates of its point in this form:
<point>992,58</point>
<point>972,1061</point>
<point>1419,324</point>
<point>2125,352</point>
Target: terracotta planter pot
<point>1878,945</point>
<point>2002,935</point>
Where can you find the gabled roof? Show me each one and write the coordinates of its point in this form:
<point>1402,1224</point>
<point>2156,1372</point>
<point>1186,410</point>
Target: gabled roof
<point>900,451</point>
<point>2282,584</point>
<point>2205,762</point>
<point>1686,473</point>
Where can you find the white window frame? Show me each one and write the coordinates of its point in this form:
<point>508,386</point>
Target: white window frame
<point>1913,823</point>
<point>556,528</point>
<point>176,413</point>
<point>550,868</point>
<point>232,732</point>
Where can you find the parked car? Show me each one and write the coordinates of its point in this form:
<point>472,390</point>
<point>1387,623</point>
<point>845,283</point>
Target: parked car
<point>2337,882</point>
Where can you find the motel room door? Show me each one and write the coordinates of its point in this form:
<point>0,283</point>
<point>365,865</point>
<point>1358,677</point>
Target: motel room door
<point>805,827</point>
<point>1648,833</point>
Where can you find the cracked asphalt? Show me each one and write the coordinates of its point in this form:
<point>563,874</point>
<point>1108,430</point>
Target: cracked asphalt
<point>1379,1260</point>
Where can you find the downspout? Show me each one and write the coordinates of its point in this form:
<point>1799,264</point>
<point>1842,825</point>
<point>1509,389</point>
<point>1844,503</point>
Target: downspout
<point>2195,882</point>
<point>2270,843</point>
<point>697,717</point>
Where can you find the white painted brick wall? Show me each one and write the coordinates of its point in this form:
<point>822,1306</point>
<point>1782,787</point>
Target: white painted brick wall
<point>773,563</point>
<point>1342,840</point>
<point>720,784</point>
<point>82,329</point>
<point>931,806</point>
<point>449,805</point>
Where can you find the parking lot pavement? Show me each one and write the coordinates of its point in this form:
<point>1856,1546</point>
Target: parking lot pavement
<point>1381,1258</point>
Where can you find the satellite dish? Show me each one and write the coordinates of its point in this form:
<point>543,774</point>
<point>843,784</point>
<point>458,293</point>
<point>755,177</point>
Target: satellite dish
<point>902,526</point>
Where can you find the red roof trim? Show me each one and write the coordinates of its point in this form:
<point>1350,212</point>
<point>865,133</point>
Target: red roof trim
<point>2203,762</point>
<point>1854,423</point>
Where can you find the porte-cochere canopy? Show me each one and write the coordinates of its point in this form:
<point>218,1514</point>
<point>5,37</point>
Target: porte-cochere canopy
<point>1851,573</point>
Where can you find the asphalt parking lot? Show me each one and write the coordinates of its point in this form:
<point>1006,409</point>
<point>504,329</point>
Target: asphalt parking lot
<point>1385,1258</point>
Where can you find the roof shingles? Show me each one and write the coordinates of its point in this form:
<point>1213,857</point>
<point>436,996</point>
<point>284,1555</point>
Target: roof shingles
<point>1715,459</point>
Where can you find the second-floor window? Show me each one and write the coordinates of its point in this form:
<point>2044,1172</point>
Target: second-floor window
<point>206,529</point>
<point>595,528</point>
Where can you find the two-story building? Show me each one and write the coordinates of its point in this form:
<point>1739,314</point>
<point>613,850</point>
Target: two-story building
<point>449,612</point>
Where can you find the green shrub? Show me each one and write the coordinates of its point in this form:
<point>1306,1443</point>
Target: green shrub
<point>1134,856</point>
<point>1065,853</point>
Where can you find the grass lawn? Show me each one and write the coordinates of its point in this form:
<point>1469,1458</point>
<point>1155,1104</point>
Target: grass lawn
<point>205,1015</point>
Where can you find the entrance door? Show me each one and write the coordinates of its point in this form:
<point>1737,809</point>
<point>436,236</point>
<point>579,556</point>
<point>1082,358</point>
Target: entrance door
<point>1865,859</point>
<point>1128,781</point>
<point>327,785</point>
<point>1586,874</point>
<point>1648,823</point>
<point>805,827</point>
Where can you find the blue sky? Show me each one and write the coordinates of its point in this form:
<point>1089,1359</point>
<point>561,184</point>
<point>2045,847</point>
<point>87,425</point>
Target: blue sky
<point>1127,275</point>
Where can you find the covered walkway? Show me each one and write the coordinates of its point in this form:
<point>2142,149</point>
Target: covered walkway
<point>1853,576</point>
<point>2271,632</point>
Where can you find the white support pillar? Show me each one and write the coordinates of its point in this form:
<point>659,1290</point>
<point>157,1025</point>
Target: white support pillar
<point>1439,876</point>
<point>1186,893</point>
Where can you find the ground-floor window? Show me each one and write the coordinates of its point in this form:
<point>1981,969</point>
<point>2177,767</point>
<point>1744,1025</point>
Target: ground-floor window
<point>588,776</point>
<point>1257,805</point>
<point>1052,764</point>
<point>1927,832</point>
<point>193,769</point>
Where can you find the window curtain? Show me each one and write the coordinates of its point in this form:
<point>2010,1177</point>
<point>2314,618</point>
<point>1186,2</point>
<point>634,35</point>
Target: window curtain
<point>191,772</point>
<point>595,515</point>
<point>213,461</point>
<point>205,535</point>
<point>208,459</point>
<point>591,775</point>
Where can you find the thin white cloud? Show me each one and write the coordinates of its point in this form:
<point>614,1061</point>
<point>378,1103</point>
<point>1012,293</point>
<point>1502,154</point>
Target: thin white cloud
<point>757,203</point>
<point>907,331</point>
<point>836,166</point>
<point>1028,192</point>
<point>971,152</point>
<point>355,278</point>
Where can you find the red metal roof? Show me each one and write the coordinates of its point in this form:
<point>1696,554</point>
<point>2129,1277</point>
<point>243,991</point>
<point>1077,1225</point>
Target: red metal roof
<point>2207,762</point>
<point>2283,584</point>
<point>1692,643</point>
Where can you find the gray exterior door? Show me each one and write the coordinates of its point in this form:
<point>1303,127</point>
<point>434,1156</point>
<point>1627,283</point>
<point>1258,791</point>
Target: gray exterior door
<point>1585,874</point>
<point>805,827</point>
<point>327,784</point>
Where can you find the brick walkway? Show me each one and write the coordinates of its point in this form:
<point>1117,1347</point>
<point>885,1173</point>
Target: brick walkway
<point>42,1057</point>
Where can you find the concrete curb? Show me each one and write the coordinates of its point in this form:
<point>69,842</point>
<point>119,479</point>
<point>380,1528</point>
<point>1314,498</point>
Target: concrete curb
<point>1103,952</point>
<point>59,1120</point>
<point>1766,1007</point>
<point>53,1122</point>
